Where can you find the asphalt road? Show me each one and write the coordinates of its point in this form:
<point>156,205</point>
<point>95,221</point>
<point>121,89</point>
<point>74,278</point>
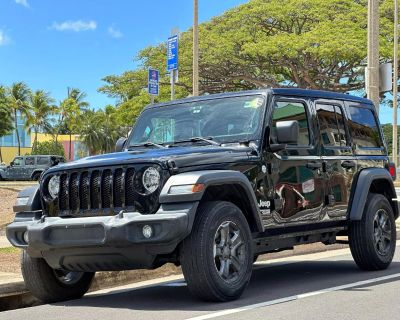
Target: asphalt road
<point>319,286</point>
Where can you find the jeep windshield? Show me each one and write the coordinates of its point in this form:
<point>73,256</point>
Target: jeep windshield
<point>222,120</point>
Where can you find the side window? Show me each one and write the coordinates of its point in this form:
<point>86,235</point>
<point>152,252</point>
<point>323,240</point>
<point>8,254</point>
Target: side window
<point>364,129</point>
<point>42,161</point>
<point>331,122</point>
<point>29,161</point>
<point>290,110</point>
<point>18,161</point>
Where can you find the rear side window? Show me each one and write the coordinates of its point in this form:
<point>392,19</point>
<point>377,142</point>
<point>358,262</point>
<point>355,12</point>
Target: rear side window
<point>290,110</point>
<point>29,161</point>
<point>43,160</point>
<point>364,130</point>
<point>331,122</point>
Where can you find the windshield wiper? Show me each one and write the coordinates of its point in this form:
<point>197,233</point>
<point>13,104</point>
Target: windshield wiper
<point>197,139</point>
<point>146,145</point>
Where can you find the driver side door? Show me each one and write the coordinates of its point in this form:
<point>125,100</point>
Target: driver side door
<point>15,171</point>
<point>295,173</point>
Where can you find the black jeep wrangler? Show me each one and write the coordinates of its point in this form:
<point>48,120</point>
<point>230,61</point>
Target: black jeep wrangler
<point>209,183</point>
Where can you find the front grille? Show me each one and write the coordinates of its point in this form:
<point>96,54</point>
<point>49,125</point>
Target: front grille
<point>104,191</point>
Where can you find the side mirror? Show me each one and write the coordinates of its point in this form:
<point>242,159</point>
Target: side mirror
<point>119,146</point>
<point>11,163</point>
<point>287,131</point>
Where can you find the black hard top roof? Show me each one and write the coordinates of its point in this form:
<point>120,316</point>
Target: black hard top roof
<point>277,91</point>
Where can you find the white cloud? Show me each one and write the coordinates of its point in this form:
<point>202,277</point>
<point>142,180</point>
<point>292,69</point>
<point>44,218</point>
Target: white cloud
<point>4,39</point>
<point>22,3</point>
<point>76,26</point>
<point>115,33</point>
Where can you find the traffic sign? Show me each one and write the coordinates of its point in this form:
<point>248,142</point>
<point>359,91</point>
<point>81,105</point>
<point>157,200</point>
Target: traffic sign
<point>153,82</point>
<point>172,53</point>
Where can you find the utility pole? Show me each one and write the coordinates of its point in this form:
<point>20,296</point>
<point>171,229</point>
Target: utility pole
<point>195,47</point>
<point>372,83</point>
<point>395,75</point>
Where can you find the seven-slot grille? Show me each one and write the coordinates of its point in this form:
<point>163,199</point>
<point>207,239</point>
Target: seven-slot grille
<point>103,191</point>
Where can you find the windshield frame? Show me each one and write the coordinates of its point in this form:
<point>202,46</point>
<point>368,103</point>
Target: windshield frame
<point>258,134</point>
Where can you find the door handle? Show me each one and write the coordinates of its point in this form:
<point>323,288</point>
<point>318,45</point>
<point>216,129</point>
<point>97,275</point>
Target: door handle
<point>314,165</point>
<point>348,164</point>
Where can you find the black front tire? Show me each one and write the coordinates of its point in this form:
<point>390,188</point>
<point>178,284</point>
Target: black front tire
<point>217,256</point>
<point>49,285</point>
<point>372,240</point>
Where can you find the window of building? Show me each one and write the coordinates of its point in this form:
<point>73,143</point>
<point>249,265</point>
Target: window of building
<point>331,123</point>
<point>364,129</point>
<point>290,110</point>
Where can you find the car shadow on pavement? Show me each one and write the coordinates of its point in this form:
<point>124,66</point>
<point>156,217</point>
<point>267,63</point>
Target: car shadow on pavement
<point>269,282</point>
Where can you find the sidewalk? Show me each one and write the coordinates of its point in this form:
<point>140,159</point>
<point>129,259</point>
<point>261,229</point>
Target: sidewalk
<point>4,242</point>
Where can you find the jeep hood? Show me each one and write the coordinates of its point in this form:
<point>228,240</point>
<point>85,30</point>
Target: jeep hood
<point>182,156</point>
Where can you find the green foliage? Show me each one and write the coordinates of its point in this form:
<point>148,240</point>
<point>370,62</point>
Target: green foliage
<point>6,124</point>
<point>387,129</point>
<point>49,148</point>
<point>99,130</point>
<point>38,115</point>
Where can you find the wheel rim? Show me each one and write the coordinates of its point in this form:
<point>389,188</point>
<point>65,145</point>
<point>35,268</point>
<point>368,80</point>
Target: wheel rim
<point>382,232</point>
<point>68,277</point>
<point>229,251</point>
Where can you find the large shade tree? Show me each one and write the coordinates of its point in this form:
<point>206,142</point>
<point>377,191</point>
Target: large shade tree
<point>315,44</point>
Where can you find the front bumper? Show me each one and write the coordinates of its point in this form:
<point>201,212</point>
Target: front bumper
<point>103,242</point>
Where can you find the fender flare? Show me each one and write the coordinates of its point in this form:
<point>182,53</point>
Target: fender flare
<point>33,203</point>
<point>361,189</point>
<point>2,174</point>
<point>36,171</point>
<point>211,178</point>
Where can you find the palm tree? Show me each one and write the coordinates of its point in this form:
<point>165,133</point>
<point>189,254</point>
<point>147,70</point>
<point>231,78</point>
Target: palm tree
<point>71,109</point>
<point>90,132</point>
<point>40,109</point>
<point>18,98</point>
<point>6,123</point>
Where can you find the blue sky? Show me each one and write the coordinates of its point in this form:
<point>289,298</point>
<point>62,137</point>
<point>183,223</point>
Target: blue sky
<point>55,44</point>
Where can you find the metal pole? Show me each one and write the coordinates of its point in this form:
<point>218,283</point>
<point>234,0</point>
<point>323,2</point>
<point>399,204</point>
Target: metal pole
<point>372,85</point>
<point>195,47</point>
<point>172,84</point>
<point>395,75</point>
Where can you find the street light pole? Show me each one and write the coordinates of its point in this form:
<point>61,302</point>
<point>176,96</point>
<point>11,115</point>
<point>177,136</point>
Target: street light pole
<point>195,47</point>
<point>395,75</point>
<point>372,83</point>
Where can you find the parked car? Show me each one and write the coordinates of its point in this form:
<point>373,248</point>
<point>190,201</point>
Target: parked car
<point>210,183</point>
<point>28,167</point>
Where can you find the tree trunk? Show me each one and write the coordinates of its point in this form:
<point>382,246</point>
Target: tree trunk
<point>16,131</point>
<point>1,156</point>
<point>34,146</point>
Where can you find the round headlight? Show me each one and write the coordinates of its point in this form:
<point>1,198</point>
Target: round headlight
<point>151,179</point>
<point>54,186</point>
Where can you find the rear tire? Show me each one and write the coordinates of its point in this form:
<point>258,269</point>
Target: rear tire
<point>372,240</point>
<point>217,256</point>
<point>49,285</point>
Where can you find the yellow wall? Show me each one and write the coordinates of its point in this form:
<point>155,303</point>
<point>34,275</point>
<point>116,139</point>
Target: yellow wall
<point>47,137</point>
<point>9,153</point>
